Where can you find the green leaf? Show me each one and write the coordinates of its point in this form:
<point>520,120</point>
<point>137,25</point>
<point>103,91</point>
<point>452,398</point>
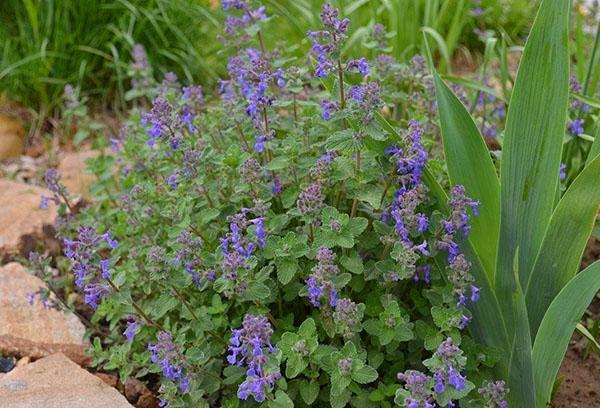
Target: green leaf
<point>286,269</point>
<point>564,243</point>
<point>307,329</point>
<point>364,374</point>
<point>595,149</point>
<point>163,305</point>
<point>353,263</point>
<point>295,365</point>
<point>233,374</point>
<point>470,164</point>
<point>533,142</point>
<point>340,401</point>
<point>309,391</point>
<point>338,383</point>
<point>371,194</point>
<point>520,367</point>
<point>357,225</point>
<point>258,291</point>
<point>282,400</point>
<point>278,163</point>
<point>557,327</point>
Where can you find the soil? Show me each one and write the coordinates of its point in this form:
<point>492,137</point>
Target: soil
<point>580,386</point>
<point>579,376</point>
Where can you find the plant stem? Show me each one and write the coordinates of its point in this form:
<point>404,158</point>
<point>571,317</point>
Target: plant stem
<point>189,309</point>
<point>588,76</point>
<point>137,308</point>
<point>357,175</point>
<point>341,79</point>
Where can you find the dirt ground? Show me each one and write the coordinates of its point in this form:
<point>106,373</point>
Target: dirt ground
<point>580,387</point>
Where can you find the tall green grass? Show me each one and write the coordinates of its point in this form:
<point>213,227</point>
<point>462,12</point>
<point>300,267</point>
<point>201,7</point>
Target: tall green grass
<point>47,43</point>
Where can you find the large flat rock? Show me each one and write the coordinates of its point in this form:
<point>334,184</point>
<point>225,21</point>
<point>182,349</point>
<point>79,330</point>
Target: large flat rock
<point>21,218</point>
<point>32,330</point>
<point>57,382</point>
<point>74,173</point>
<point>12,135</point>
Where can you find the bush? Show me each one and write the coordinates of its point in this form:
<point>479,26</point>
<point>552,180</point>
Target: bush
<point>289,246</point>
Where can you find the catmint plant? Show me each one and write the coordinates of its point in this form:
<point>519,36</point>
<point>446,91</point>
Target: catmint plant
<point>295,240</point>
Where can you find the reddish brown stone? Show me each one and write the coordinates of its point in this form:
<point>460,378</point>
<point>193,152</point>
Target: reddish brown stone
<point>57,382</point>
<point>74,173</point>
<point>21,218</point>
<point>32,330</point>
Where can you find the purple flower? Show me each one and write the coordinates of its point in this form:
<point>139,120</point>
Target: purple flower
<point>576,127</point>
<point>104,267</point>
<point>56,187</point>
<point>361,65</point>
<point>172,180</point>
<point>251,346</point>
<point>417,384</point>
<point>237,246</point>
<point>111,242</point>
<point>323,165</point>
<point>314,291</point>
<point>44,201</point>
<point>310,200</point>
<point>94,292</point>
<point>167,355</point>
<point>327,42</point>
<point>277,186</point>
<point>261,235</point>
<point>321,278</point>
<point>562,173</point>
<point>410,160</point>
<point>91,272</point>
<point>345,314</point>
<point>494,394</point>
<point>451,358</point>
<point>329,108</point>
<point>131,329</point>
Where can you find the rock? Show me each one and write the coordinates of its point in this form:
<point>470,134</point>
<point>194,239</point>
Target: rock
<point>147,400</point>
<point>6,364</point>
<point>73,171</point>
<point>12,135</point>
<point>32,330</point>
<point>109,379</point>
<point>23,221</point>
<point>57,382</point>
<point>23,361</point>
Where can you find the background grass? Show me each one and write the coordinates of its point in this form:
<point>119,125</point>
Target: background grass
<point>47,43</point>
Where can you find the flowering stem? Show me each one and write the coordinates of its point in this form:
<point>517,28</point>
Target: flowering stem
<point>386,251</point>
<point>137,308</point>
<point>189,308</point>
<point>355,201</point>
<point>65,198</point>
<point>295,104</point>
<point>243,137</point>
<point>341,78</point>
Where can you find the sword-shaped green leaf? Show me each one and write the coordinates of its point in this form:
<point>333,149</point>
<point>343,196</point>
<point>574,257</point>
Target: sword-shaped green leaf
<point>595,149</point>
<point>557,327</point>
<point>470,164</point>
<point>564,242</point>
<point>529,172</point>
